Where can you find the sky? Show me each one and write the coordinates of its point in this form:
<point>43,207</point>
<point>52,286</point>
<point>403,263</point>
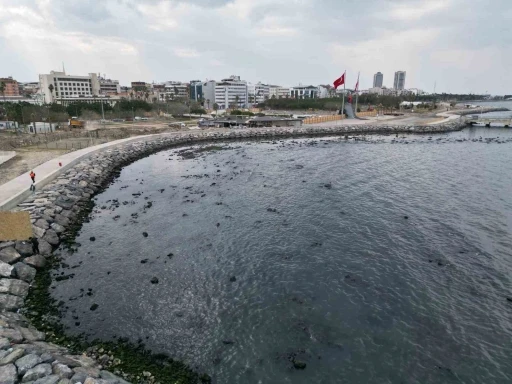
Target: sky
<point>457,46</point>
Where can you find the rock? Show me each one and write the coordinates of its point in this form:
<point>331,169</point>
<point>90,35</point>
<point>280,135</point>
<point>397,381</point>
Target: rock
<point>9,255</point>
<point>61,220</point>
<point>24,272</point>
<point>36,261</point>
<point>46,357</point>
<point>52,379</point>
<point>89,371</point>
<point>509,299</point>
<point>68,214</point>
<point>26,362</point>
<point>111,377</point>
<point>24,248</point>
<point>92,238</point>
<point>37,372</point>
<point>8,374</point>
<point>51,237</point>
<point>43,224</point>
<point>6,244</point>
<point>62,370</point>
<point>297,364</point>
<point>78,378</point>
<point>228,342</point>
<point>64,381</point>
<point>44,247</point>
<point>57,228</point>
<point>12,357</point>
<point>154,280</point>
<point>65,202</point>
<point>14,287</point>
<point>232,279</point>
<point>83,184</point>
<point>145,234</point>
<point>406,217</point>
<point>10,302</point>
<point>13,335</point>
<point>94,307</point>
<point>4,343</point>
<point>38,232</point>
<point>31,334</point>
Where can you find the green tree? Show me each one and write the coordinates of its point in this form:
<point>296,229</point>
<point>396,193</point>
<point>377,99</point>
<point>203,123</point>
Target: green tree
<point>50,87</point>
<point>2,90</point>
<point>215,107</point>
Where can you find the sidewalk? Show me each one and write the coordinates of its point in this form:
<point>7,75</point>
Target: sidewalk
<point>6,156</point>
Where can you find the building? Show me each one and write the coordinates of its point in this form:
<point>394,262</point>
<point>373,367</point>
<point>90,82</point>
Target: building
<point>325,91</point>
<point>196,90</point>
<point>231,93</point>
<point>399,82</point>
<point>258,93</point>
<point>30,88</point>
<point>62,88</point>
<point>274,121</point>
<point>304,92</point>
<point>375,91</point>
<point>109,87</point>
<point>277,92</point>
<point>208,89</point>
<point>378,78</point>
<point>139,85</point>
<point>11,86</point>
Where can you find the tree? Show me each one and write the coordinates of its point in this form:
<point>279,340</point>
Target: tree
<point>2,90</point>
<point>237,100</point>
<point>215,106</point>
<point>208,103</point>
<point>50,87</point>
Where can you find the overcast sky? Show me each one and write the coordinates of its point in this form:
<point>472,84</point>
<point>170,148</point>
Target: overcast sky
<point>463,45</point>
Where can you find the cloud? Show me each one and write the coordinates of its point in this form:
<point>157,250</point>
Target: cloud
<point>417,10</point>
<point>186,53</point>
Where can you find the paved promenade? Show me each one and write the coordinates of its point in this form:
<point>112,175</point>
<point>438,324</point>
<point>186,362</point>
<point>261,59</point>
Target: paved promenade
<point>6,156</point>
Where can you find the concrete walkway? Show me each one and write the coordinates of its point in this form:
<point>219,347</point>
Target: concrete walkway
<point>18,189</point>
<point>6,156</point>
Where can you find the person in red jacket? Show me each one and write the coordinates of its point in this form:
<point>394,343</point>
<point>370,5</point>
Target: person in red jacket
<point>33,177</point>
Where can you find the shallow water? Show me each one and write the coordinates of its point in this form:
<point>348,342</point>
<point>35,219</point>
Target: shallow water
<point>328,269</point>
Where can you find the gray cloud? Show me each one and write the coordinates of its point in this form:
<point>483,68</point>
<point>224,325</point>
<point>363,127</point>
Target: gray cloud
<point>464,48</point>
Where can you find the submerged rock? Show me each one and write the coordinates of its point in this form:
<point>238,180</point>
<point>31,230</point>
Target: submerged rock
<point>154,280</point>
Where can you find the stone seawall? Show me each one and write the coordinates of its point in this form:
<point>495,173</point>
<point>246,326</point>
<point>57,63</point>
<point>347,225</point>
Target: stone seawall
<point>27,354</point>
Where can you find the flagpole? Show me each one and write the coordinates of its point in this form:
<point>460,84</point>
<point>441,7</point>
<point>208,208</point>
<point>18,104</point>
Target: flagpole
<point>343,102</point>
<point>357,94</point>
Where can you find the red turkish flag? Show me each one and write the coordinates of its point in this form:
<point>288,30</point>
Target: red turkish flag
<point>339,81</point>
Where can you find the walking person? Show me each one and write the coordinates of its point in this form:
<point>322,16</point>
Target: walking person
<point>33,177</point>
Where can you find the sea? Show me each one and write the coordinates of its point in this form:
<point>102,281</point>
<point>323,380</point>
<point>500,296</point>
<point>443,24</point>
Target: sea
<point>371,259</point>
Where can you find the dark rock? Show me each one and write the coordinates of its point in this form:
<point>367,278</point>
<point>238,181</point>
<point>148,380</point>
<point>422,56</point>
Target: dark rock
<point>92,238</point>
<point>94,307</point>
<point>509,299</point>
<point>36,261</point>
<point>37,372</point>
<point>45,247</point>
<point>170,255</point>
<point>297,364</point>
<point>24,248</point>
<point>144,261</point>
<point>406,217</point>
<point>65,202</point>
<point>10,302</point>
<point>14,287</point>
<point>154,280</point>
<point>228,342</point>
<point>42,224</point>
<point>145,234</point>
<point>61,220</point>
<point>328,185</point>
<point>27,362</point>
<point>9,255</point>
<point>51,237</point>
<point>232,279</point>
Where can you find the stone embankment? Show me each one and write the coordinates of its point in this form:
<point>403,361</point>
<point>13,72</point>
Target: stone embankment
<point>55,212</point>
<point>476,111</point>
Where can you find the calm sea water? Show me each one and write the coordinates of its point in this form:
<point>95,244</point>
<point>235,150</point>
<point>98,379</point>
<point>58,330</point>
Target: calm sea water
<point>329,271</point>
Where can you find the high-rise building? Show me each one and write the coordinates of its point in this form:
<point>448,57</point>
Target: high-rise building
<point>209,93</point>
<point>59,87</point>
<point>231,93</point>
<point>399,82</point>
<point>196,90</point>
<point>377,80</point>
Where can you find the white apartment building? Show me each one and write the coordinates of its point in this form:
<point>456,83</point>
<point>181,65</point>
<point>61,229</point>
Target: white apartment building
<point>277,92</point>
<point>68,88</point>
<point>109,87</point>
<point>258,93</point>
<point>174,90</point>
<point>304,92</point>
<point>209,93</point>
<point>231,92</point>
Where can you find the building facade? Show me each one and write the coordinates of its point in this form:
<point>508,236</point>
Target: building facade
<point>231,93</point>
<point>378,79</point>
<point>62,88</point>
<point>258,93</point>
<point>304,92</point>
<point>196,90</point>
<point>208,89</point>
<point>109,87</point>
<point>11,87</point>
<point>277,92</point>
<point>399,82</point>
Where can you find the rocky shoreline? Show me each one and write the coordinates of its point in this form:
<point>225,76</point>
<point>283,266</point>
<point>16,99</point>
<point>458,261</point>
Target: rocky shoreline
<point>27,354</point>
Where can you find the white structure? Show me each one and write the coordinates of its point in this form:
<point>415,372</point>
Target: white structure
<point>209,93</point>
<point>258,93</point>
<point>173,90</point>
<point>399,82</point>
<point>68,88</point>
<point>109,87</point>
<point>375,91</point>
<point>277,92</point>
<point>378,78</point>
<point>231,92</point>
<point>324,92</point>
<point>304,92</point>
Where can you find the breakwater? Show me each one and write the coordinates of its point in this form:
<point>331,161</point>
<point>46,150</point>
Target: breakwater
<point>56,213</point>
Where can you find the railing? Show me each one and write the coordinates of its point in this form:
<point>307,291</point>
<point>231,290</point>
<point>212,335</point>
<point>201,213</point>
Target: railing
<point>326,118</point>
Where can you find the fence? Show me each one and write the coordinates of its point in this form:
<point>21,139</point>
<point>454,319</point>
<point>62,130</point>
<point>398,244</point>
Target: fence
<point>326,118</point>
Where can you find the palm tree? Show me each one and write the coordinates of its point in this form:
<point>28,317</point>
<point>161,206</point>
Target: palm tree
<point>208,103</point>
<point>2,90</point>
<point>237,99</point>
<point>50,87</point>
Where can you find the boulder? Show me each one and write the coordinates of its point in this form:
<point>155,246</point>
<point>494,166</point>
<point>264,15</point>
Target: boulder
<point>9,255</point>
<point>5,244</point>
<point>24,248</point>
<point>44,247</point>
<point>6,270</point>
<point>38,232</point>
<point>41,223</point>
<point>61,220</point>
<point>12,357</point>
<point>13,335</point>
<point>37,372</point>
<point>51,237</point>
<point>62,370</point>
<point>26,362</point>
<point>65,202</point>
<point>10,302</point>
<point>36,261</point>
<point>57,228</point>
<point>14,287</point>
<point>8,374</point>
<point>52,379</point>
<point>89,371</point>
<point>83,184</point>
<point>78,378</point>
<point>25,272</point>
<point>31,334</point>
<point>68,214</point>
<point>4,343</point>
